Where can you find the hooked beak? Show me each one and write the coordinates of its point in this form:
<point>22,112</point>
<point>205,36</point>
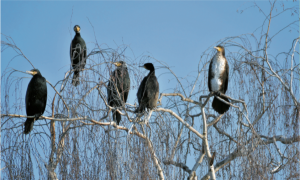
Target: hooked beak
<point>77,29</point>
<point>31,72</point>
<point>217,48</point>
<point>117,64</point>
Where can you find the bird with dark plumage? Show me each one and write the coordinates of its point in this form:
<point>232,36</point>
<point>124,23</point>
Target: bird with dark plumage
<point>218,79</point>
<point>77,54</point>
<point>148,91</point>
<point>118,88</point>
<point>36,98</point>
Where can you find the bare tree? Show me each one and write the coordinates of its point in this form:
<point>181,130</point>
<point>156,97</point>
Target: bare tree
<point>76,138</point>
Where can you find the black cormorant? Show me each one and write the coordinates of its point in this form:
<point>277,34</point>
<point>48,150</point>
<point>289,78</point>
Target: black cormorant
<point>77,54</point>
<point>148,91</point>
<point>218,79</point>
<point>118,88</point>
<point>36,98</point>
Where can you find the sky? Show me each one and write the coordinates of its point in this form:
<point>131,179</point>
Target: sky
<point>174,32</point>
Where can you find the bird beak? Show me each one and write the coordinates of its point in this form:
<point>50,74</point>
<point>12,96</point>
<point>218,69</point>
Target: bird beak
<point>117,64</point>
<point>78,29</point>
<point>142,66</point>
<point>31,72</point>
<point>217,48</point>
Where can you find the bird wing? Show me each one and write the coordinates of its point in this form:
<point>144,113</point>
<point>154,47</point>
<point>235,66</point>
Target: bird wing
<point>84,53</point>
<point>110,88</point>
<point>71,52</point>
<point>44,96</point>
<point>140,94</point>
<point>72,49</point>
<point>209,74</point>
<point>36,96</point>
<point>152,87</point>
<point>126,85</point>
<point>115,89</point>
<point>226,74</point>
<point>27,99</point>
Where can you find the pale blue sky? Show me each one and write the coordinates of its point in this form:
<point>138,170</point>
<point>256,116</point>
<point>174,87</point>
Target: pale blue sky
<point>173,32</point>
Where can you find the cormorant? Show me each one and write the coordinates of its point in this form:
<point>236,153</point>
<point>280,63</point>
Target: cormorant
<point>148,91</point>
<point>218,79</point>
<point>77,54</point>
<point>36,98</point>
<point>118,88</point>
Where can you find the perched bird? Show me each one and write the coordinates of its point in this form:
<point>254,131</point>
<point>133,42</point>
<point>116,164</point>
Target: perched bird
<point>148,91</point>
<point>77,55</point>
<point>118,88</point>
<point>218,79</point>
<point>36,98</point>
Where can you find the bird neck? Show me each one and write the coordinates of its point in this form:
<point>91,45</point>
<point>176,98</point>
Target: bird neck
<point>221,53</point>
<point>122,68</point>
<point>152,72</point>
<point>38,75</point>
<point>77,34</point>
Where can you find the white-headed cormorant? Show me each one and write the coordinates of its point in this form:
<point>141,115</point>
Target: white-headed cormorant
<point>218,79</point>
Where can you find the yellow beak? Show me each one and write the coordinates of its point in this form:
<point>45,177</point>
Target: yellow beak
<point>31,72</point>
<point>117,64</point>
<point>217,48</point>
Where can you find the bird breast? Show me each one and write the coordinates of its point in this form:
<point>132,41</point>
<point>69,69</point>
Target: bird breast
<point>217,70</point>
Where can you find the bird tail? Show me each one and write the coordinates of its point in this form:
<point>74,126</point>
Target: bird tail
<point>75,80</point>
<point>28,125</point>
<point>116,117</point>
<point>219,106</point>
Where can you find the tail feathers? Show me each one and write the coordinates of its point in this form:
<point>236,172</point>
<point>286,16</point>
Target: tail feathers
<point>75,80</point>
<point>116,117</point>
<point>219,106</point>
<point>28,125</point>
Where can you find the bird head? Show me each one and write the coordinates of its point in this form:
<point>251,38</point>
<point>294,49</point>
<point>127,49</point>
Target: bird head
<point>148,66</point>
<point>77,28</point>
<point>34,72</point>
<point>220,49</point>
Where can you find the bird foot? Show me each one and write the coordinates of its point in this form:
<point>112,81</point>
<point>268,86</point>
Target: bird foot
<point>36,116</point>
<point>218,93</point>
